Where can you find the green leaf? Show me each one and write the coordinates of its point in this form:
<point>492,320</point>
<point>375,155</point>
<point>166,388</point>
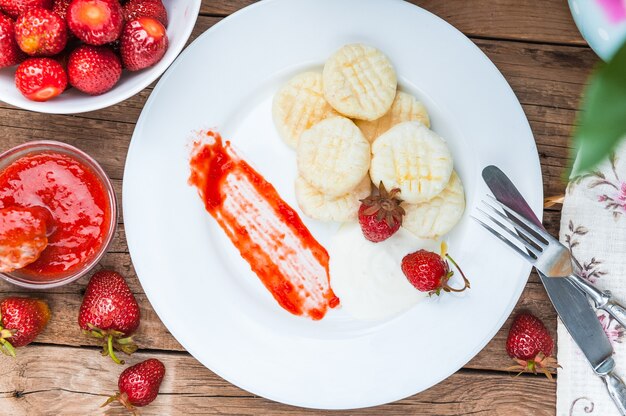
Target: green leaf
<point>602,123</point>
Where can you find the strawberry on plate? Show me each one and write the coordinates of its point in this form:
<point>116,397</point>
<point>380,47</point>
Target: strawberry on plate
<point>40,79</point>
<point>143,43</point>
<point>110,312</point>
<point>21,320</point>
<point>430,272</point>
<point>95,22</point>
<point>380,216</point>
<point>14,8</point>
<point>94,69</point>
<point>23,236</point>
<point>40,32</point>
<point>145,8</point>
<point>530,345</point>
<point>10,53</point>
<point>139,384</point>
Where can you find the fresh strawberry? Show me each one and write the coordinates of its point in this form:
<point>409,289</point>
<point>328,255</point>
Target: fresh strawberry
<point>380,215</point>
<point>143,43</point>
<point>40,32</point>
<point>16,7</point>
<point>94,69</point>
<point>430,272</point>
<point>60,7</point>
<point>139,384</point>
<point>95,22</point>
<point>110,311</point>
<point>10,53</point>
<point>23,236</point>
<point>40,79</point>
<point>21,320</point>
<point>530,345</point>
<point>145,8</point>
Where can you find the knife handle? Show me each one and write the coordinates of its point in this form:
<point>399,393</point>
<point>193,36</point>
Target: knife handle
<point>601,299</point>
<point>617,391</point>
<point>616,310</point>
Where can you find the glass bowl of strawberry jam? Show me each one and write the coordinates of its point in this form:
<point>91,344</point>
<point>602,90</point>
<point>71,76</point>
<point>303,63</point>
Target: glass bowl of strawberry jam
<point>79,204</point>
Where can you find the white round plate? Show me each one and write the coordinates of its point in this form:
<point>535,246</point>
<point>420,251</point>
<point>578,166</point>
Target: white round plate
<point>206,294</point>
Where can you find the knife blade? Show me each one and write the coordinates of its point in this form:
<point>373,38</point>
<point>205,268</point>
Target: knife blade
<point>570,303</point>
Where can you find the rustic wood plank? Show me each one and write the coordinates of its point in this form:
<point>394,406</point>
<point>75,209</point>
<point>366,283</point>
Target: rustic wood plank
<point>542,75</point>
<point>63,328</point>
<point>531,20</point>
<point>59,380</point>
<point>223,7</point>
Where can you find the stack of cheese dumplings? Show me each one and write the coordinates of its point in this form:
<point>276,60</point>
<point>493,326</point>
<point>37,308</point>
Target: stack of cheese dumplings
<point>350,127</point>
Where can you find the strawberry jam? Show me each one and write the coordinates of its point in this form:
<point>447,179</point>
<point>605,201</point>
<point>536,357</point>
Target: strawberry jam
<point>268,233</point>
<point>78,204</point>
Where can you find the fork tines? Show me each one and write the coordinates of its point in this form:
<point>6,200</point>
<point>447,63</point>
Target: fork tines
<point>517,232</point>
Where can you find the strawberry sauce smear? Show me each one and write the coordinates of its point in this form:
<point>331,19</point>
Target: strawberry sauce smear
<point>268,233</point>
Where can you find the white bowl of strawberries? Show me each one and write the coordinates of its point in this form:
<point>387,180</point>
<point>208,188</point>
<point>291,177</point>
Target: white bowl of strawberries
<point>73,56</point>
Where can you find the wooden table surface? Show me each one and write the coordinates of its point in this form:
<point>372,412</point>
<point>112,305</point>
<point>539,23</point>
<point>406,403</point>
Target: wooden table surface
<point>535,45</point>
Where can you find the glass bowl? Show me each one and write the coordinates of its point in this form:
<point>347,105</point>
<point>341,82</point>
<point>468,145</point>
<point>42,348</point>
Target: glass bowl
<point>48,146</point>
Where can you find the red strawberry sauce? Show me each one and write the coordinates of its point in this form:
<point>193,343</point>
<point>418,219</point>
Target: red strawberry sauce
<point>268,233</point>
<point>78,204</point>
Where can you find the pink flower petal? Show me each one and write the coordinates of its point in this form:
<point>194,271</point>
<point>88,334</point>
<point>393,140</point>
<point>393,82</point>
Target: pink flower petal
<point>615,10</point>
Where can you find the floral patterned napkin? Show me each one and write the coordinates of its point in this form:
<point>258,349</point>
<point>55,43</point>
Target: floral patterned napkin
<point>593,225</point>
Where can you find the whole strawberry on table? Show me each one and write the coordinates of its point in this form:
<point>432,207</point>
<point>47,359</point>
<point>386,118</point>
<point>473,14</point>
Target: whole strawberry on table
<point>84,44</point>
<point>110,312</point>
<point>530,345</point>
<point>21,320</point>
<point>139,384</point>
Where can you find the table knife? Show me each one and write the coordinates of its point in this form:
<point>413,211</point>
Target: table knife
<point>570,303</point>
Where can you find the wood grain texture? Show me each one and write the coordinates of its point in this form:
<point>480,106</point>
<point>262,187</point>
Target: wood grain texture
<point>534,43</point>
<point>78,383</point>
<point>531,20</point>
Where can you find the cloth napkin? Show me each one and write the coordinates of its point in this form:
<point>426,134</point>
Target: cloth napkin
<point>593,226</point>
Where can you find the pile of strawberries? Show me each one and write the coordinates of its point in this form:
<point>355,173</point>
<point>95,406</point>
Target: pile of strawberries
<point>82,43</point>
<point>110,313</point>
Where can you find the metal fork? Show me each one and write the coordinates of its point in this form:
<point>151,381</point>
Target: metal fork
<point>544,252</point>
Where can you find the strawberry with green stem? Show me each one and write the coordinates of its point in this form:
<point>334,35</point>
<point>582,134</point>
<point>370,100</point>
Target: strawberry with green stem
<point>110,313</point>
<point>21,320</point>
<point>430,272</point>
